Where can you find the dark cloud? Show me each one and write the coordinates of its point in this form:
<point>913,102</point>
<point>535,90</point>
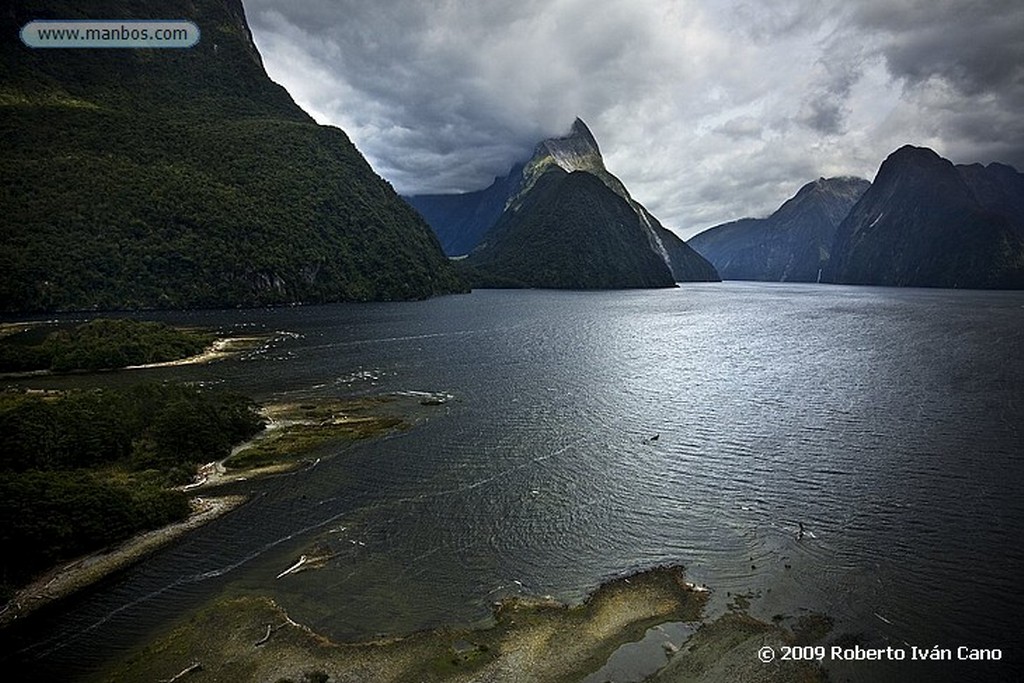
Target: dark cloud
<point>976,46</point>
<point>707,110</point>
<point>961,65</point>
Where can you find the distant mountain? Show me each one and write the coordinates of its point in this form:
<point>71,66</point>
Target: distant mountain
<point>183,178</point>
<point>791,245</point>
<point>927,223</point>
<point>461,220</point>
<point>560,228</point>
<point>685,268</point>
<point>569,232</point>
<point>998,188</point>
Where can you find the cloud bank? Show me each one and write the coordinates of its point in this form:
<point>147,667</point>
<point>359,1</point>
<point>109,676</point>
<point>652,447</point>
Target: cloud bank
<point>708,111</point>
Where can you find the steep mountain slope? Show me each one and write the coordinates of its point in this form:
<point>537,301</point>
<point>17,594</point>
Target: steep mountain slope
<point>681,261</point>
<point>998,188</point>
<point>569,232</point>
<point>579,151</point>
<point>926,223</point>
<point>502,257</point>
<point>791,245</point>
<point>186,178</point>
<point>461,220</point>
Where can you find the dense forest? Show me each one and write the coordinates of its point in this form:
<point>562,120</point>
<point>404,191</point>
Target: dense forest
<point>99,344</point>
<point>84,469</point>
<point>570,232</point>
<point>186,178</point>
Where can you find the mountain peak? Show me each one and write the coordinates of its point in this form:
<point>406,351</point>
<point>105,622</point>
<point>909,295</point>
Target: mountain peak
<point>576,151</point>
<point>927,223</point>
<point>580,131</point>
<point>790,245</point>
<point>909,154</point>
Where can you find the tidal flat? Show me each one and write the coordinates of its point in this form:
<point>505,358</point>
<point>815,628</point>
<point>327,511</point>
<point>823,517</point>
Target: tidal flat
<point>896,449</point>
<point>295,431</point>
<point>252,638</point>
<point>529,639</point>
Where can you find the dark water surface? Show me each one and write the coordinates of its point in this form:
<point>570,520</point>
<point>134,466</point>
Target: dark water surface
<point>887,421</point>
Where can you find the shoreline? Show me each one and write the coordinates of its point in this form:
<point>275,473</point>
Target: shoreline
<point>347,415</point>
<point>296,429</point>
<point>528,638</point>
<point>60,582</point>
<point>254,638</point>
<point>220,348</point>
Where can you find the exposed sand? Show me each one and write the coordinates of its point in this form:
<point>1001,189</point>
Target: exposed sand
<point>294,428</point>
<point>61,582</point>
<point>531,640</point>
<point>253,639</point>
<point>219,349</point>
<point>214,474</point>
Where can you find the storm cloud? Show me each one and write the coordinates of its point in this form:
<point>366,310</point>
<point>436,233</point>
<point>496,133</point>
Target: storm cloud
<point>708,111</point>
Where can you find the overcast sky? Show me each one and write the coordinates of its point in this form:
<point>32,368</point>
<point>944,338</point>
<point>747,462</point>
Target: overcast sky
<point>707,110</point>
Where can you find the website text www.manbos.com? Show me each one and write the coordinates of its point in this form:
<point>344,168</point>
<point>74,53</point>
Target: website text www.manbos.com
<point>110,34</point>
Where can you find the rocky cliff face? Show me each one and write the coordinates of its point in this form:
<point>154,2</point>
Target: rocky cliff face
<point>791,245</point>
<point>186,178</point>
<point>927,223</point>
<point>577,151</point>
<point>503,252</point>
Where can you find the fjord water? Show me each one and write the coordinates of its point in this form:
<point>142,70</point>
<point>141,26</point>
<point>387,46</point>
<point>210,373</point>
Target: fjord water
<point>887,421</point>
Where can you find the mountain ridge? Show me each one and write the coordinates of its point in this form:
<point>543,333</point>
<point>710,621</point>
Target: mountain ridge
<point>460,219</point>
<point>569,232</point>
<point>187,179</point>
<point>792,244</point>
<point>925,222</point>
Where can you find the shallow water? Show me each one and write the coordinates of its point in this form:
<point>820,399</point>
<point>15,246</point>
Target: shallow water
<point>886,421</point>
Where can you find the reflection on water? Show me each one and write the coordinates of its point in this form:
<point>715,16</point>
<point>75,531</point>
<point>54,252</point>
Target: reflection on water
<point>886,421</point>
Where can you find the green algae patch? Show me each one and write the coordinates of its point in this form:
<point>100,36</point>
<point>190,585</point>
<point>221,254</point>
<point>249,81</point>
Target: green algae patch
<point>285,444</point>
<point>252,638</point>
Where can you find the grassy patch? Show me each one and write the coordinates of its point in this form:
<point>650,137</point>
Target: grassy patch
<point>286,443</point>
<point>529,640</point>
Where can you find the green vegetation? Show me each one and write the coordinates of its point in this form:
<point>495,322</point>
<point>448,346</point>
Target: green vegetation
<point>100,344</point>
<point>288,442</point>
<point>138,179</point>
<point>49,517</point>
<point>87,468</point>
<point>538,640</point>
<point>571,232</point>
<point>307,426</point>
